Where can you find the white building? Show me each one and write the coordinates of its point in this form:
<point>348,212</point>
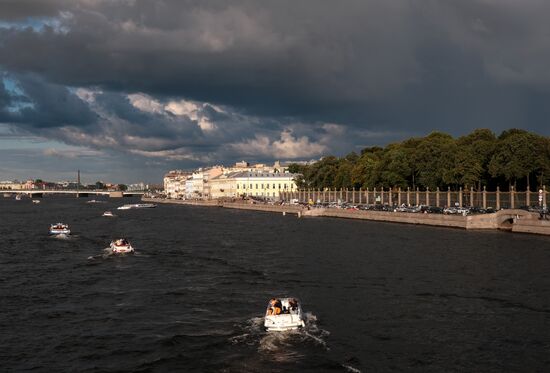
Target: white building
<point>242,179</point>
<point>137,187</point>
<point>174,183</point>
<point>199,187</point>
<point>189,188</point>
<point>8,185</point>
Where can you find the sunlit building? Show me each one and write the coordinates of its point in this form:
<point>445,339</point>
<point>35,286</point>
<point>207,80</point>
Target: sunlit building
<point>253,183</point>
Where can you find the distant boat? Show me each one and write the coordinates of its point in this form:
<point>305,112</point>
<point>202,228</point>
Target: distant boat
<point>60,228</point>
<point>94,201</point>
<point>121,246</point>
<point>35,201</point>
<point>18,197</point>
<point>137,206</point>
<point>109,214</point>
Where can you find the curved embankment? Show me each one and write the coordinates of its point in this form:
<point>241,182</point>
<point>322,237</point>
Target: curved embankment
<point>512,220</point>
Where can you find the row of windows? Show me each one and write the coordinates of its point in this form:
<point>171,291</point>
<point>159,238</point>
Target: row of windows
<point>263,194</point>
<point>244,186</point>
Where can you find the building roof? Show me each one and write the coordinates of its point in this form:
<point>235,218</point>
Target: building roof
<point>256,174</point>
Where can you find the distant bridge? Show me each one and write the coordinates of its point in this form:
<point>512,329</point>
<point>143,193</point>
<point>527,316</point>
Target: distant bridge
<point>77,193</point>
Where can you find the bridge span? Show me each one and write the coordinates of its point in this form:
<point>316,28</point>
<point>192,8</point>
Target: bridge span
<point>77,193</point>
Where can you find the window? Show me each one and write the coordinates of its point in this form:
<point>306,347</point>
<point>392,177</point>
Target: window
<point>262,186</point>
<point>285,186</point>
<point>256,188</point>
<point>279,186</point>
<point>273,186</point>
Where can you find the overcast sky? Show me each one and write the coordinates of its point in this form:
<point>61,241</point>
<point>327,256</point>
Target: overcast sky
<point>126,90</point>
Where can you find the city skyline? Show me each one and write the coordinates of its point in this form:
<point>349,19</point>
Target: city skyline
<point>127,90</point>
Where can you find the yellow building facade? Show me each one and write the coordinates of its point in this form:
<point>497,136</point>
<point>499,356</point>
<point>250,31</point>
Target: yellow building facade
<point>251,183</point>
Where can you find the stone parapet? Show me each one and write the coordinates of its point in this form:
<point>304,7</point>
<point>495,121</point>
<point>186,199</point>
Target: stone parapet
<point>514,220</point>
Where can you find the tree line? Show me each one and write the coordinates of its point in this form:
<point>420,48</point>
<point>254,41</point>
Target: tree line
<point>516,158</point>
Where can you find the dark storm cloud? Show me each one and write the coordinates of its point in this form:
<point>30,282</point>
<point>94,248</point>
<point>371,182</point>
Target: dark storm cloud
<point>321,76</point>
<point>360,63</point>
<point>5,97</point>
<point>43,105</point>
<point>14,10</point>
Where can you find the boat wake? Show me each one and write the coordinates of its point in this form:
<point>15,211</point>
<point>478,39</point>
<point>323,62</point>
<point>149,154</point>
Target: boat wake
<point>62,236</point>
<point>287,346</point>
<point>108,253</point>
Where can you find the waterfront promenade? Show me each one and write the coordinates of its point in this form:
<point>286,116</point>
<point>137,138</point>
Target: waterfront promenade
<point>513,220</point>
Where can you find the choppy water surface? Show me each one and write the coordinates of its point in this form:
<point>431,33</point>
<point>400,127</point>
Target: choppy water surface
<point>378,297</point>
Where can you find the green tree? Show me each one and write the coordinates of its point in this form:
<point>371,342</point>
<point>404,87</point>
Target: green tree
<point>473,157</point>
<point>515,156</point>
<point>434,159</point>
<point>363,172</point>
<point>394,167</point>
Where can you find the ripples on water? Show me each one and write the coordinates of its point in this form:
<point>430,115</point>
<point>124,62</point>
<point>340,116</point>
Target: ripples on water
<point>376,296</point>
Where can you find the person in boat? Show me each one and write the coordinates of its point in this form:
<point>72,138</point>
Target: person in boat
<point>292,305</point>
<point>275,307</point>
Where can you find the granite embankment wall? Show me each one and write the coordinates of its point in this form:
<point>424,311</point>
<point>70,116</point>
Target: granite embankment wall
<point>242,205</point>
<point>395,217</point>
<point>180,202</point>
<point>513,220</point>
<point>531,225</point>
<point>289,209</point>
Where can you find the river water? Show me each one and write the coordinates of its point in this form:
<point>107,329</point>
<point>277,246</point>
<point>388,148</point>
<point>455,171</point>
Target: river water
<point>377,296</point>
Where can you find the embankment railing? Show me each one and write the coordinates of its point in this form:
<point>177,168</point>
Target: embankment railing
<point>463,198</point>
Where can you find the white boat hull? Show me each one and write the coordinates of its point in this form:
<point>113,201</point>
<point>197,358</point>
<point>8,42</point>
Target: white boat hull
<point>123,249</point>
<point>60,231</point>
<point>281,323</point>
<point>137,206</point>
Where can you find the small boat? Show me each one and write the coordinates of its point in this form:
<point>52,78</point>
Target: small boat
<point>18,197</point>
<point>60,228</point>
<point>36,201</point>
<point>283,314</point>
<point>109,214</point>
<point>121,246</point>
<point>137,206</point>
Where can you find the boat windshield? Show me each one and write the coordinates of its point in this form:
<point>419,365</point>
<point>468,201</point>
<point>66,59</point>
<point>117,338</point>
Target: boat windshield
<point>281,306</point>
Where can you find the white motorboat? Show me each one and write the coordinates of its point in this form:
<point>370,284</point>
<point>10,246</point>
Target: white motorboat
<point>36,201</point>
<point>18,197</point>
<point>137,206</point>
<point>60,228</point>
<point>109,214</point>
<point>121,246</point>
<point>94,201</point>
<point>283,314</point>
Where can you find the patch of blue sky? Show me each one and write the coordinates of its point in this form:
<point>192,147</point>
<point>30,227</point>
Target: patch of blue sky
<point>38,24</point>
<point>19,100</point>
<point>11,85</point>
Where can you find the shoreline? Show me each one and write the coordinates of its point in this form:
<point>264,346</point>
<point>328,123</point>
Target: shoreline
<point>512,220</point>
